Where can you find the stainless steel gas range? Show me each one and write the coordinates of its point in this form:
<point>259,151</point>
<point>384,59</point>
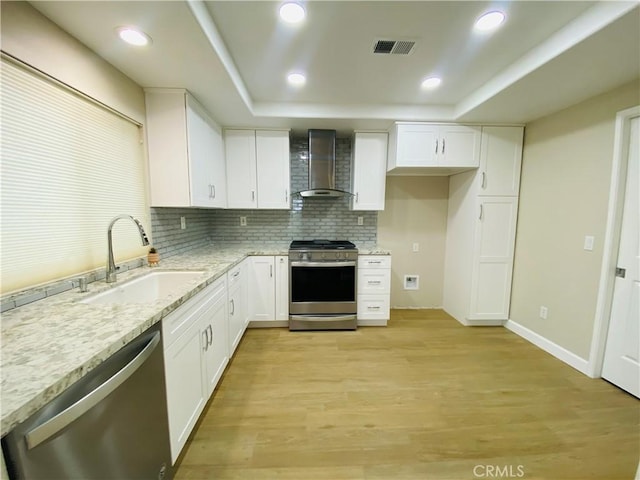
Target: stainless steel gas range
<point>322,285</point>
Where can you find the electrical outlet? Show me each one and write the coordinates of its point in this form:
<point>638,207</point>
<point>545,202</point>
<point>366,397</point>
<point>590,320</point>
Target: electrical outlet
<point>360,220</point>
<point>243,221</point>
<point>416,247</point>
<point>183,223</point>
<point>544,312</point>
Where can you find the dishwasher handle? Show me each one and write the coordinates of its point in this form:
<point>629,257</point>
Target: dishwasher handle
<point>48,429</point>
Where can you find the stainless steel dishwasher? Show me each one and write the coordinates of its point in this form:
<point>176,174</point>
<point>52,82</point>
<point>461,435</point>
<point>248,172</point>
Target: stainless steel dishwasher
<point>110,424</point>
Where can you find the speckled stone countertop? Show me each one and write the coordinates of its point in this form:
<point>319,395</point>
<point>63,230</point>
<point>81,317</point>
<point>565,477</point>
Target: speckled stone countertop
<point>49,344</point>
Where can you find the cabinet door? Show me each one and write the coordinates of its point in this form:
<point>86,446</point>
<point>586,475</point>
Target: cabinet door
<point>500,161</point>
<point>237,306</point>
<point>459,146</point>
<point>493,258</point>
<point>273,171</point>
<point>206,158</point>
<point>369,171</point>
<point>185,391</point>
<point>282,288</point>
<point>215,355</point>
<point>167,148</point>
<point>262,289</point>
<point>240,153</point>
<point>416,145</point>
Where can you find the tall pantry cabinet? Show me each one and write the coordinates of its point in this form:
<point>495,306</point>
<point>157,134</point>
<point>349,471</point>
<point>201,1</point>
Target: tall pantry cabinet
<point>481,228</point>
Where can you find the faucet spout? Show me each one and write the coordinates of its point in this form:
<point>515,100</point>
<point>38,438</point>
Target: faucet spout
<point>111,264</point>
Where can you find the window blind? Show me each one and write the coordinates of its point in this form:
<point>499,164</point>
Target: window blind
<point>68,166</point>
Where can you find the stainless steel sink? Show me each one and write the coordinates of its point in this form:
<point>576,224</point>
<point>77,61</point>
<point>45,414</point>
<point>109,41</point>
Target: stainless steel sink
<point>147,288</point>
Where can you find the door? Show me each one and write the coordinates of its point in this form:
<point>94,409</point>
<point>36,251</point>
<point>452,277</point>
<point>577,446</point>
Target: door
<point>459,146</point>
<point>215,339</point>
<point>262,295</point>
<point>185,391</point>
<point>240,152</point>
<point>500,161</point>
<point>493,258</point>
<point>417,146</point>
<point>622,352</point>
<point>201,147</point>
<point>273,172</point>
<point>369,170</point>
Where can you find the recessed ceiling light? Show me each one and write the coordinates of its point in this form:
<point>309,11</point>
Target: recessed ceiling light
<point>292,12</point>
<point>489,21</point>
<point>296,79</point>
<point>134,36</point>
<point>431,82</point>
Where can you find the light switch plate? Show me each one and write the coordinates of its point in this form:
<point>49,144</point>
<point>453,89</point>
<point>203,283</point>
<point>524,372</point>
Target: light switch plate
<point>183,223</point>
<point>243,221</point>
<point>588,242</point>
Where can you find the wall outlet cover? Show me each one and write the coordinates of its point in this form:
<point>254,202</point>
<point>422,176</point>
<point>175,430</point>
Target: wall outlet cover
<point>412,282</point>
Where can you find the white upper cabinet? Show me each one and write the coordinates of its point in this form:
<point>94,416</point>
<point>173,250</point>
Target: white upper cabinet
<point>500,161</point>
<point>186,156</point>
<point>274,177</point>
<point>368,170</point>
<point>430,149</point>
<point>258,173</point>
<point>240,153</point>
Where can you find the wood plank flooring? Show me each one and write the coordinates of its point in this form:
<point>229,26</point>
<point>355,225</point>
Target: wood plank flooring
<point>424,398</point>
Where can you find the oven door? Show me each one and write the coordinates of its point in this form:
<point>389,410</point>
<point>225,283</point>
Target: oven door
<point>322,288</point>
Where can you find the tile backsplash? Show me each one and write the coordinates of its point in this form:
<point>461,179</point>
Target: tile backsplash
<point>309,218</point>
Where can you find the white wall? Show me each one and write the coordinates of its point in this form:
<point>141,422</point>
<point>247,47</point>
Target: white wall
<point>415,211</point>
<point>29,36</point>
<point>564,193</point>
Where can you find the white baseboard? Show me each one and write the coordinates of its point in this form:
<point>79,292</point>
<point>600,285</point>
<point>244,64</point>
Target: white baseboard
<point>548,346</point>
<point>373,323</point>
<point>483,323</point>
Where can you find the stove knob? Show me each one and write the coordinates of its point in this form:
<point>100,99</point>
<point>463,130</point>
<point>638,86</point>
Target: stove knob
<point>300,255</point>
<point>337,254</point>
<point>324,255</point>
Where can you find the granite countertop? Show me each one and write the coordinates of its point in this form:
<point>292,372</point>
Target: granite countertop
<point>49,344</point>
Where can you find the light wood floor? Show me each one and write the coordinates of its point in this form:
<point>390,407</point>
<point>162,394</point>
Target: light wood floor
<point>424,398</point>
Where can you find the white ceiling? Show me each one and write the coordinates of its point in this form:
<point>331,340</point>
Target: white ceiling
<point>234,57</point>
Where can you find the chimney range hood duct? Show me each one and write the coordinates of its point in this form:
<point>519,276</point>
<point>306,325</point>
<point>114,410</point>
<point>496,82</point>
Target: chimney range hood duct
<point>322,165</point>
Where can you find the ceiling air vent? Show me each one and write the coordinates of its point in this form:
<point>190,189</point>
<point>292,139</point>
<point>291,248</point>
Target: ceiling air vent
<point>393,47</point>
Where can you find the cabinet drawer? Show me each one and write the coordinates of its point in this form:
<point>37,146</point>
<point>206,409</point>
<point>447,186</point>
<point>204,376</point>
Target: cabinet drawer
<point>374,261</point>
<point>234,276</point>
<point>374,281</point>
<point>178,321</point>
<point>373,307</point>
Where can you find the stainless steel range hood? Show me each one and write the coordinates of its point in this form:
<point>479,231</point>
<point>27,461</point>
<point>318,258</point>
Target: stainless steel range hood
<point>322,165</point>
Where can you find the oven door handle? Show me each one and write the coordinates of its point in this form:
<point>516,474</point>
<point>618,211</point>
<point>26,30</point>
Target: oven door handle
<point>323,264</point>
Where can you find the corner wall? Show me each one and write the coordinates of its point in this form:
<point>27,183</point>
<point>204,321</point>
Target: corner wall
<point>564,195</point>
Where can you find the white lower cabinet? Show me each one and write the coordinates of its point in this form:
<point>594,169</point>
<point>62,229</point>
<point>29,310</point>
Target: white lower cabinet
<point>195,354</point>
<point>269,289</point>
<point>374,289</point>
<point>237,304</point>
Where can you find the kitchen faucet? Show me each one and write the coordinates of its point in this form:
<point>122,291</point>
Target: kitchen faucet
<point>111,264</point>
